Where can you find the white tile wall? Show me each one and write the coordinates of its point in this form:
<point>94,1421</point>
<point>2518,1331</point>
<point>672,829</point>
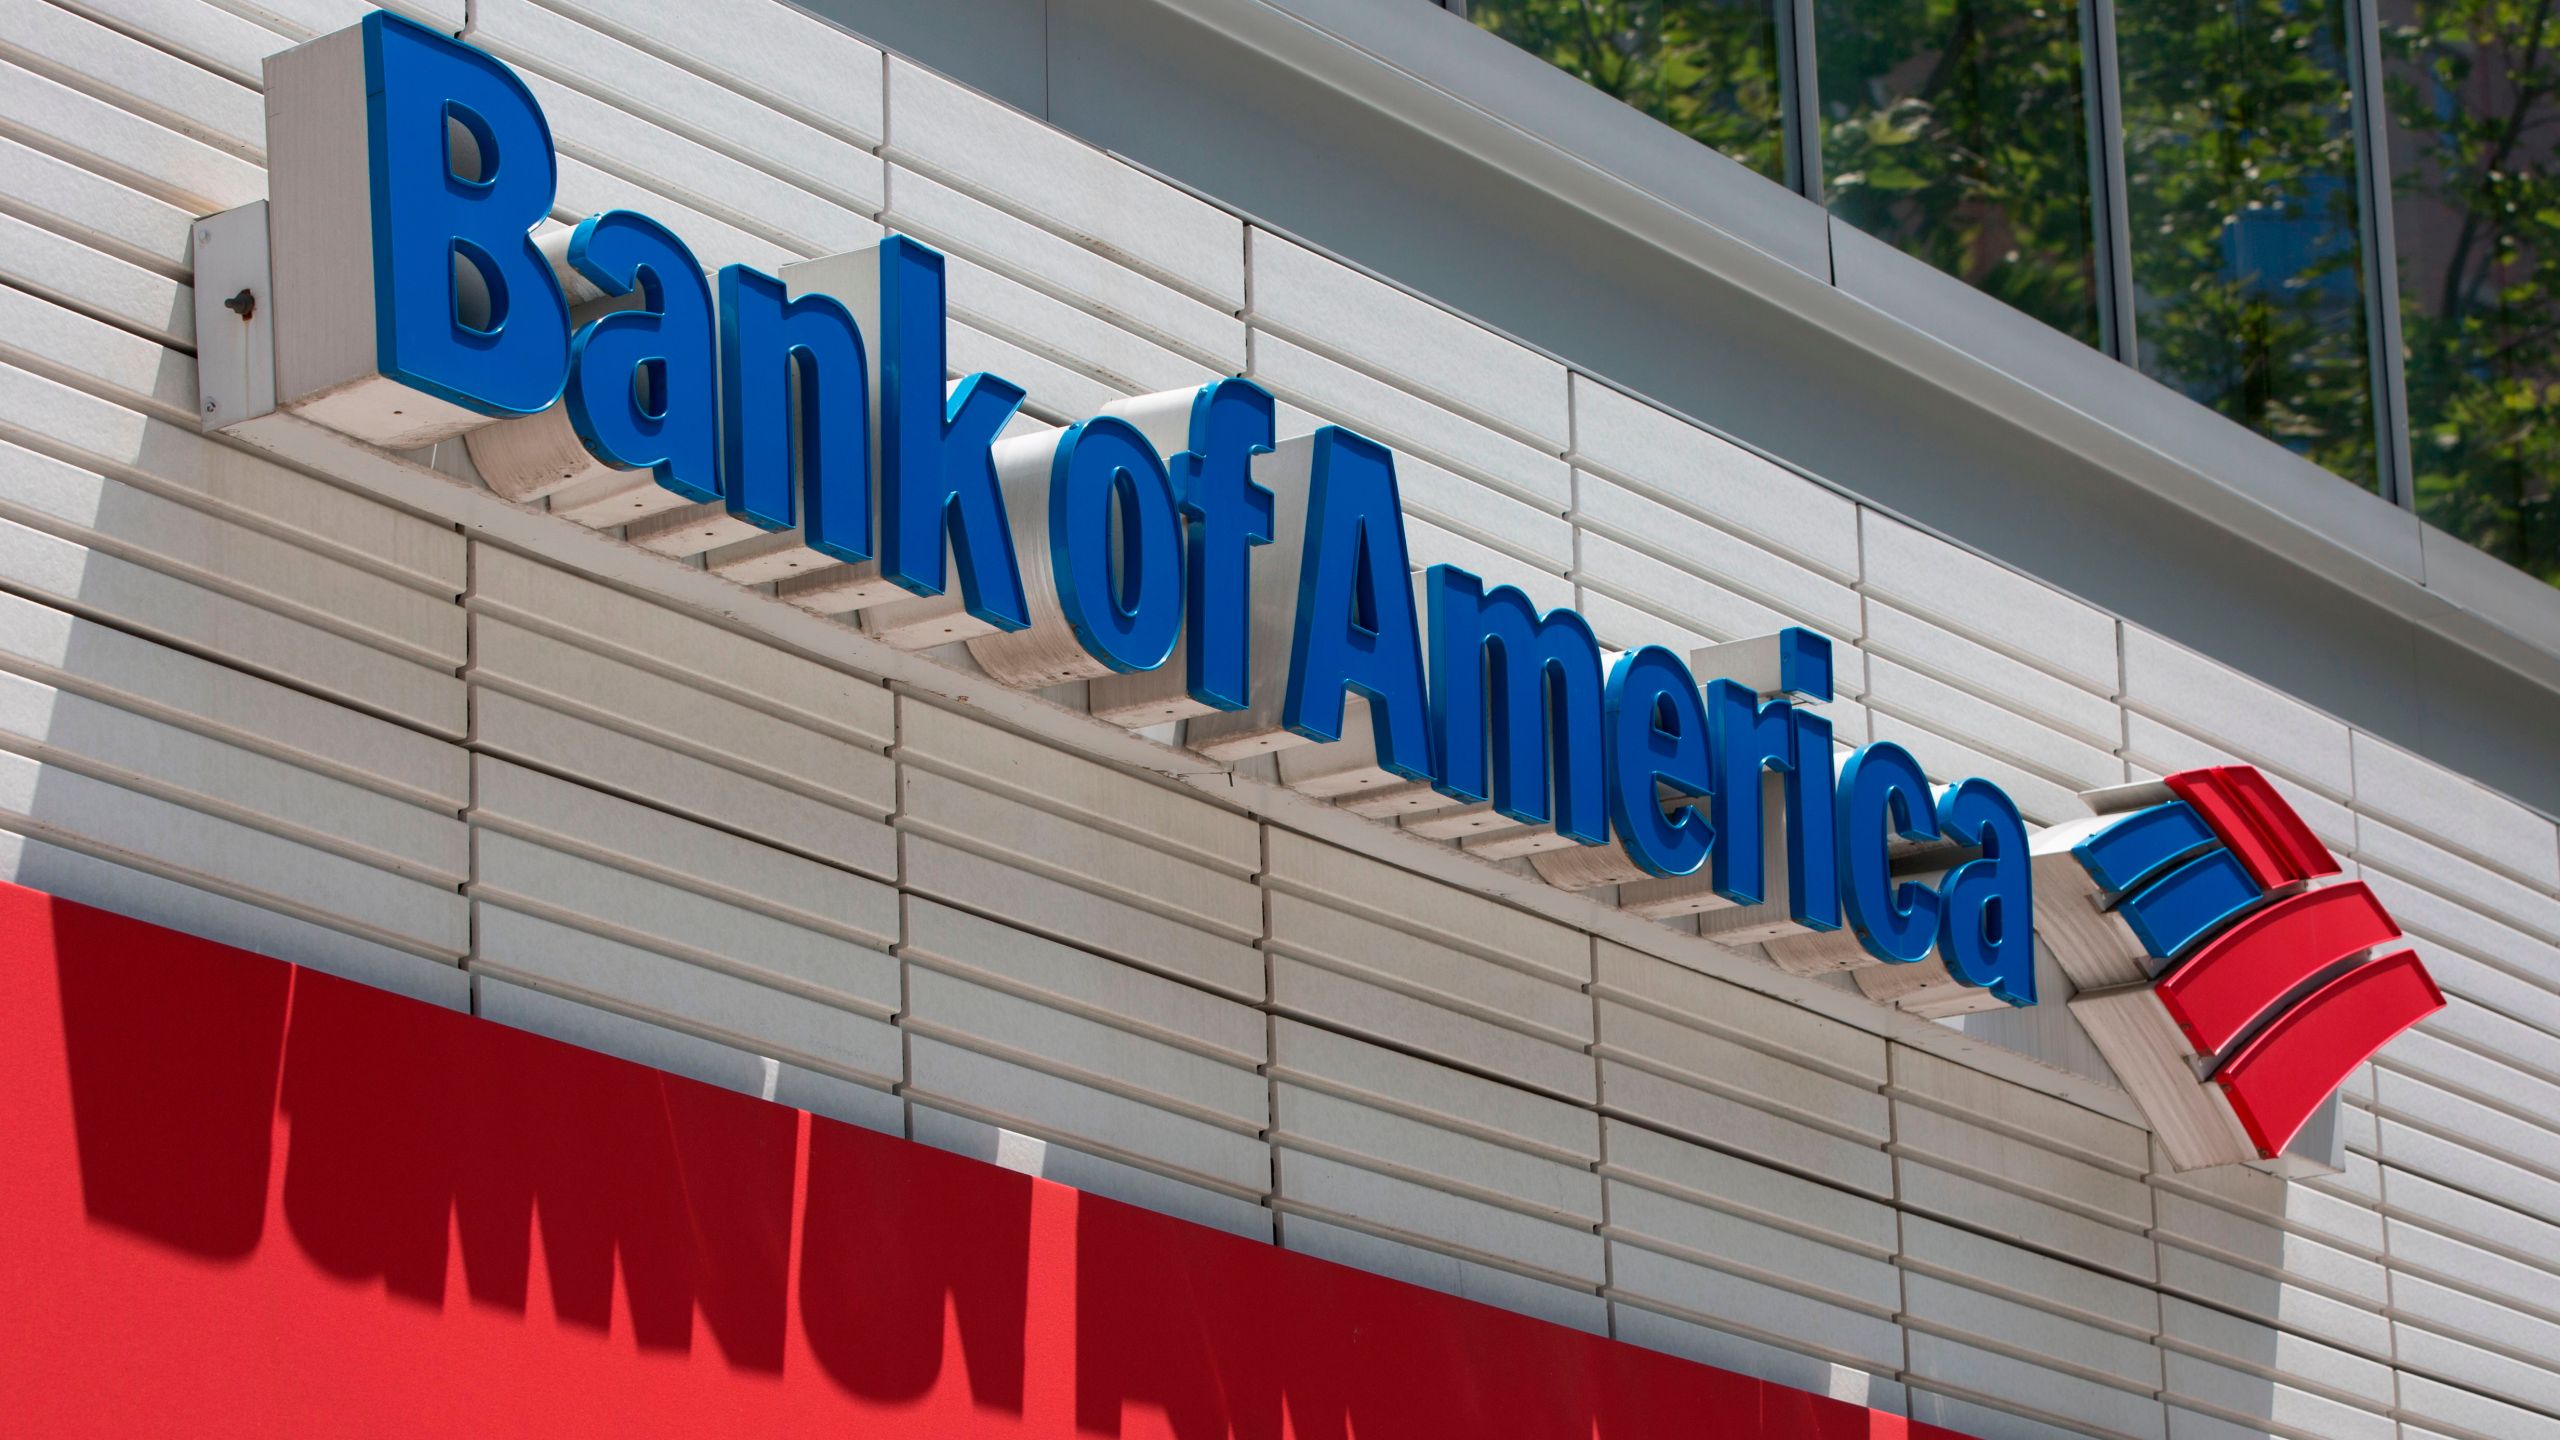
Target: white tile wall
<point>74,273</point>
<point>268,707</point>
<point>2155,748</point>
<point>1684,466</point>
<point>962,225</point>
<point>756,130</point>
<point>142,676</point>
<point>1686,600</point>
<point>2067,760</point>
<point>1464,507</point>
<point>1952,658</point>
<point>1407,421</point>
<point>139,77</point>
<point>2174,684</point>
<point>301,19</point>
<point>208,36</point>
<point>1408,341</point>
<point>824,74</point>
<point>2393,783</point>
<point>692,1056</point>
<point>127,144</point>
<point>1997,607</point>
<point>88,209</point>
<point>1630,518</point>
<point>1014,161</point>
<point>997,1144</point>
<point>2502,900</point>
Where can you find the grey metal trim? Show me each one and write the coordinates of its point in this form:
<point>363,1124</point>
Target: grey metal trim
<point>2117,331</point>
<point>2204,461</point>
<point>2382,258</point>
<point>2486,591</point>
<point>1796,54</point>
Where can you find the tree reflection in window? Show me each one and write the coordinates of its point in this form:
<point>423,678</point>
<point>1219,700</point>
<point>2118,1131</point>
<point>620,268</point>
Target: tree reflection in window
<point>1957,130</point>
<point>1707,68</point>
<point>2473,88</point>
<point>2240,162</point>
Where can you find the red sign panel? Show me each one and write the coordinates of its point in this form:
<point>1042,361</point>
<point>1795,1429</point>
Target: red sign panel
<point>240,1198</point>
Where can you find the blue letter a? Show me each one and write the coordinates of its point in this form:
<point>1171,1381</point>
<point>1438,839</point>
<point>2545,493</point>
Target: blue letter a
<point>1356,625</point>
<point>642,390</point>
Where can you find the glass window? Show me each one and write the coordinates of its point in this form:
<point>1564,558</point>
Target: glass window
<point>2473,88</point>
<point>1709,69</point>
<point>2240,163</point>
<point>1958,131</point>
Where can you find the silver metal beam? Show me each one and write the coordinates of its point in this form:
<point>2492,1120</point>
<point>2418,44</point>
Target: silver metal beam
<point>2107,186</point>
<point>2381,255</point>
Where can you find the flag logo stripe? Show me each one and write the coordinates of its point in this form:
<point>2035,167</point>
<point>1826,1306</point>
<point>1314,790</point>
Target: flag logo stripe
<point>2259,825</point>
<point>2190,902</point>
<point>2279,1078</point>
<point>2261,957</point>
<point>2133,850</point>
<point>2256,963</point>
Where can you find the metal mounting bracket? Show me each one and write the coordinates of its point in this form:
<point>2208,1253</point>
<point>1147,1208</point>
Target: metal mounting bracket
<point>235,323</point>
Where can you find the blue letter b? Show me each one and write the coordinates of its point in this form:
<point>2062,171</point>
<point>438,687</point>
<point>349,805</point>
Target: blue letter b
<point>465,309</point>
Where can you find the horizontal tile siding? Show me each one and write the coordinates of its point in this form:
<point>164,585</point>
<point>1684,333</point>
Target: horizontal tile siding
<point>266,707</point>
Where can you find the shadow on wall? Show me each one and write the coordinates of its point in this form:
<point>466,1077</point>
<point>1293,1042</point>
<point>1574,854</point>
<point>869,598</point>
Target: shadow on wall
<point>245,1198</point>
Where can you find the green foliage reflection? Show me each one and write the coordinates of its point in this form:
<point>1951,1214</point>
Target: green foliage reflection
<point>2474,94</point>
<point>1957,130</point>
<point>2240,163</point>
<point>1707,68</point>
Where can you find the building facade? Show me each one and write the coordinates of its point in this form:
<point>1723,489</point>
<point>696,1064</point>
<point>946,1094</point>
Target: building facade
<point>405,785</point>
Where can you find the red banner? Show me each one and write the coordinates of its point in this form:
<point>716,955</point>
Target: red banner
<point>242,1198</point>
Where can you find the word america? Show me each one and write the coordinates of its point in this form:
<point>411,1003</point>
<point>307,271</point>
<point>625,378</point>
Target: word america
<point>826,415</point>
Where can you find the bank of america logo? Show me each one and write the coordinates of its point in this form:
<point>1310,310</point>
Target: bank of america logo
<point>2228,973</point>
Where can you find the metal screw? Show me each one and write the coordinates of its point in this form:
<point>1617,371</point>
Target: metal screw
<point>243,304</point>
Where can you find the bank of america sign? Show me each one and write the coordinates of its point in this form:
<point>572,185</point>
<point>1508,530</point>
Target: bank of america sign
<point>2228,973</point>
<point>1190,563</point>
